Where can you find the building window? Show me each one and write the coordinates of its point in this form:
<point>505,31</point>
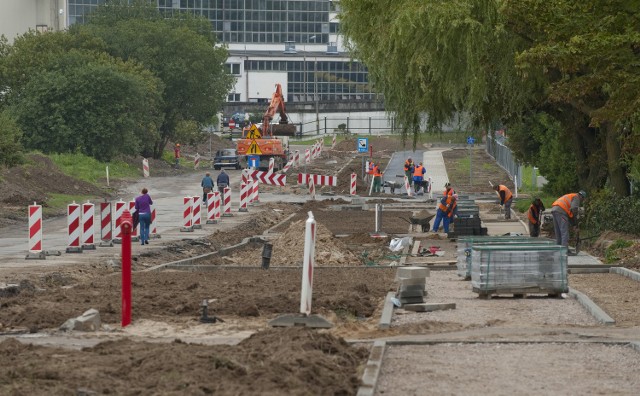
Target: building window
<point>233,97</point>
<point>233,68</point>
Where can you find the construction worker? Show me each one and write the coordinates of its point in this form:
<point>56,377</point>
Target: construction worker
<point>408,170</point>
<point>448,190</point>
<point>418,176</point>
<point>377,178</point>
<point>176,154</point>
<point>506,198</point>
<point>444,213</point>
<point>535,215</point>
<point>565,213</point>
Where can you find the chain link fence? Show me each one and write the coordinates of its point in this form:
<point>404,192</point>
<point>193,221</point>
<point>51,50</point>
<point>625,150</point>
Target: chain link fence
<point>504,157</point>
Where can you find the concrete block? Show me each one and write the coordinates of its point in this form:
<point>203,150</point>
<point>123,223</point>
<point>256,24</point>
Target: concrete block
<point>412,272</point>
<point>416,248</point>
<point>412,281</point>
<point>411,300</point>
<point>387,312</point>
<point>88,321</point>
<point>411,293</point>
<point>404,288</point>
<point>429,307</point>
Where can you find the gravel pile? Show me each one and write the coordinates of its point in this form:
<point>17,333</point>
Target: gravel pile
<point>447,287</point>
<point>510,369</point>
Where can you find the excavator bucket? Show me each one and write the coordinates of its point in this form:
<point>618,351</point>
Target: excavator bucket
<point>283,129</point>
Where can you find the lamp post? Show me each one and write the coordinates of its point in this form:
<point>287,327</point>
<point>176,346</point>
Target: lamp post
<point>315,94</point>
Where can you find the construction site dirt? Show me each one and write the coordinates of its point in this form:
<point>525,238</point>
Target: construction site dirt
<point>169,350</point>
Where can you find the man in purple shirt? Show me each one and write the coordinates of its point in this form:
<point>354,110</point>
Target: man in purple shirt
<point>143,207</point>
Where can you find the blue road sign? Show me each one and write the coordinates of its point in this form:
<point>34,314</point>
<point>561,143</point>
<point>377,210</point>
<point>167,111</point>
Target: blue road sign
<point>471,140</point>
<point>363,145</point>
<point>254,161</point>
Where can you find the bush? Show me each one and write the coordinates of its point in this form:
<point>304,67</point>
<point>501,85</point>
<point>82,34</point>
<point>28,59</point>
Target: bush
<point>607,211</point>
<point>10,134</point>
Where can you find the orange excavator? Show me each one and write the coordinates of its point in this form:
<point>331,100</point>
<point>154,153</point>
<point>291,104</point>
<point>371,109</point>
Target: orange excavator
<point>268,140</point>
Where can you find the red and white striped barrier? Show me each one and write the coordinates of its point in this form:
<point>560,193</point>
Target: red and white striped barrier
<point>88,229</point>
<point>308,264</point>
<point>307,156</point>
<point>196,161</point>
<point>287,166</point>
<point>314,151</point>
<point>354,180</point>
<point>145,167</point>
<point>106,231</point>
<point>211,208</point>
<point>245,176</point>
<point>217,198</point>
<point>196,215</point>
<point>333,142</point>
<point>255,193</point>
<point>244,196</point>
<point>35,232</point>
<point>318,180</point>
<point>187,210</point>
<point>407,186</point>
<point>134,231</point>
<point>312,188</point>
<point>272,162</point>
<point>226,197</point>
<point>73,228</point>
<point>296,158</point>
<point>274,179</point>
<point>120,207</point>
<point>153,227</point>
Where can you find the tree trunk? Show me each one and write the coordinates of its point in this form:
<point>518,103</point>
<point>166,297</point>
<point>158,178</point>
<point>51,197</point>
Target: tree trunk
<point>617,173</point>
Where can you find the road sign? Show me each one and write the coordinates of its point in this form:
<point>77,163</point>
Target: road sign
<point>232,123</point>
<point>254,132</point>
<point>363,145</point>
<point>254,148</point>
<point>254,161</point>
<point>471,140</point>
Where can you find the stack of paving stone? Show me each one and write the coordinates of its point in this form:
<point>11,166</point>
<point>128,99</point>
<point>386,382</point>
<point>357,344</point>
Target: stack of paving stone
<point>467,221</point>
<point>411,284</point>
<point>519,269</point>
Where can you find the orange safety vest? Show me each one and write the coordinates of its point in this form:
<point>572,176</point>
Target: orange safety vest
<point>564,202</point>
<point>418,171</point>
<point>448,203</point>
<point>450,191</point>
<point>407,165</point>
<point>371,166</point>
<point>533,214</point>
<point>376,171</point>
<point>507,192</point>
<point>454,203</point>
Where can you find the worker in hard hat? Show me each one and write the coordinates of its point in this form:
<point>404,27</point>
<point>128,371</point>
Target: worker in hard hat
<point>565,213</point>
<point>176,154</point>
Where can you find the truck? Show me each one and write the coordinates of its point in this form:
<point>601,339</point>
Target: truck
<point>267,140</point>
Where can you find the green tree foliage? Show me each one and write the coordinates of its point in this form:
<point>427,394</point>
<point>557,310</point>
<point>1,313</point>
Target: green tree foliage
<point>10,147</point>
<point>180,51</point>
<point>504,61</point>
<point>92,106</point>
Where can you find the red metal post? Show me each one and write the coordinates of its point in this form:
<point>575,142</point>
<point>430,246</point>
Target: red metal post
<point>127,226</point>
<point>371,151</point>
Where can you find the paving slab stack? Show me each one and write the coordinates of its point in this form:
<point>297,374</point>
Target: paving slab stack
<point>468,220</point>
<point>465,244</point>
<point>518,269</point>
<point>412,283</point>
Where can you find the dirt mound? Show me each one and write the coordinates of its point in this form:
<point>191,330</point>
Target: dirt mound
<point>288,249</point>
<point>276,361</point>
<point>20,186</point>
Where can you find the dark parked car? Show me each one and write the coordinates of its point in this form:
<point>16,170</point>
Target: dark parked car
<point>226,158</point>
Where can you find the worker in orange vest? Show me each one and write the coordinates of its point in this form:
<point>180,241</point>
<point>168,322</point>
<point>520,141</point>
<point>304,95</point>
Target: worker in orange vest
<point>565,213</point>
<point>444,213</point>
<point>176,154</point>
<point>418,176</point>
<point>506,198</point>
<point>535,215</point>
<point>377,178</point>
<point>408,170</point>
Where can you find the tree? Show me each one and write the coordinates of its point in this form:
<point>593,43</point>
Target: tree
<point>10,147</point>
<point>179,50</point>
<point>97,106</point>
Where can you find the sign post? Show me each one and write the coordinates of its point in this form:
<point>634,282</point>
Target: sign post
<point>470,142</point>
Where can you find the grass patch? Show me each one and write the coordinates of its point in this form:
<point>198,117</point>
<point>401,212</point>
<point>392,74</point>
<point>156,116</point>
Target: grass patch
<point>91,170</point>
<point>56,203</point>
<point>522,204</point>
<point>611,254</point>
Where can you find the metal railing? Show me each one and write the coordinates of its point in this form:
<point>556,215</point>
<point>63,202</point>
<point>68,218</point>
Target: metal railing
<point>504,157</point>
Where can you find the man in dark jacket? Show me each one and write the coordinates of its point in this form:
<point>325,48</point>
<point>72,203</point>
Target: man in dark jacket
<point>207,187</point>
<point>222,181</point>
<point>535,215</point>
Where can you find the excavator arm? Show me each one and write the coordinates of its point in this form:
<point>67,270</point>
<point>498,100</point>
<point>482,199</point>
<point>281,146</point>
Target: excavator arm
<point>283,128</point>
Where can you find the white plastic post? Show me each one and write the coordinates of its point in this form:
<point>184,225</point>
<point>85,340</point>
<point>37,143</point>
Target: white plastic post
<point>244,195</point>
<point>371,186</point>
<point>35,228</point>
<point>120,207</point>
<point>196,215</point>
<point>211,209</point>
<point>307,156</point>
<point>196,161</point>
<point>296,158</point>
<point>272,162</point>
<point>430,193</point>
<point>407,186</point>
<point>73,227</point>
<point>88,228</point>
<point>515,180</point>
<point>354,179</point>
<point>333,142</point>
<point>308,264</point>
<point>217,208</point>
<point>312,187</point>
<point>187,207</point>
